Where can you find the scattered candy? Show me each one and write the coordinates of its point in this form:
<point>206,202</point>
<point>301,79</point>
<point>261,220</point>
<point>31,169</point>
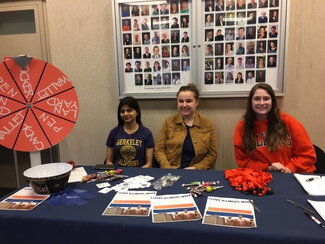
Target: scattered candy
<point>110,175</point>
<point>197,188</point>
<point>209,189</point>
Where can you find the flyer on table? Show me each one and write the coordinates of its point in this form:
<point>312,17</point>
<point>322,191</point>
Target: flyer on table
<point>130,203</point>
<point>25,199</point>
<point>319,206</point>
<point>314,185</point>
<point>171,208</point>
<point>231,212</point>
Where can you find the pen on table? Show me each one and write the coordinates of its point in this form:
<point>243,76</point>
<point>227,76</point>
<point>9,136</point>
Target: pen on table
<point>313,178</point>
<point>300,206</point>
<point>313,218</point>
<point>255,207</point>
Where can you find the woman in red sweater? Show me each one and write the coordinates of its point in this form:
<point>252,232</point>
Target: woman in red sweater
<point>269,140</point>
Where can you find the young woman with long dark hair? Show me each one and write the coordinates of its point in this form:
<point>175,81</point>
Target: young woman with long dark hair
<point>130,143</point>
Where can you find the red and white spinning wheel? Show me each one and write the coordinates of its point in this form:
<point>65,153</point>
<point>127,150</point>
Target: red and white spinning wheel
<point>38,104</point>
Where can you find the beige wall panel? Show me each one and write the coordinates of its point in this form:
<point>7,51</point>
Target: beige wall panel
<point>82,45</point>
<point>305,86</point>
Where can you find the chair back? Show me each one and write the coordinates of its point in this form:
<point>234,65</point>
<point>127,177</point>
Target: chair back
<point>155,163</point>
<point>320,162</point>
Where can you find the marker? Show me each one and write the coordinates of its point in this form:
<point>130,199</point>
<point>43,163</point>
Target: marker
<point>191,184</point>
<point>313,218</point>
<point>313,178</point>
<point>300,206</point>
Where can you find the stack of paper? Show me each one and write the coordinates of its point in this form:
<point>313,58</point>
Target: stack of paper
<point>77,174</point>
<point>229,212</point>
<point>140,181</point>
<point>24,199</point>
<point>130,203</point>
<point>319,206</point>
<point>314,185</point>
<point>176,207</point>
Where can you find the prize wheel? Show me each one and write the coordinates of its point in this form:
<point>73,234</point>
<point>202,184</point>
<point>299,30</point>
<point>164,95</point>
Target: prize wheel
<point>38,104</point>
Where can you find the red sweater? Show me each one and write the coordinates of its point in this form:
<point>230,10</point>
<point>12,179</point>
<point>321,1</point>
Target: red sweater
<point>299,156</point>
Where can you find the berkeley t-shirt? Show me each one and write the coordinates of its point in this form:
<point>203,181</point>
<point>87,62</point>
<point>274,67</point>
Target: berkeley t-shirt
<point>130,149</point>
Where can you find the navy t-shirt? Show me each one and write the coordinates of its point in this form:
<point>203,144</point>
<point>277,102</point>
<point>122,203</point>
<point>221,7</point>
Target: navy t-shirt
<point>130,149</point>
<point>188,152</point>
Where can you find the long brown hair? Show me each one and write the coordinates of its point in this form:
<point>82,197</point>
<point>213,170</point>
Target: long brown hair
<point>277,133</point>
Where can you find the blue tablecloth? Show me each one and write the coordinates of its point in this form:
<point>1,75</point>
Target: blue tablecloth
<point>278,222</point>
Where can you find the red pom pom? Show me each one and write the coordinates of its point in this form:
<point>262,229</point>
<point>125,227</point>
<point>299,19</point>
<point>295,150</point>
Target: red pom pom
<point>249,180</point>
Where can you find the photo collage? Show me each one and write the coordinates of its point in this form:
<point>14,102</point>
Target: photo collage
<point>240,40</point>
<point>156,42</point>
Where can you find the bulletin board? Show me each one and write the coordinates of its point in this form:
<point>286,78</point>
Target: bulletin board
<point>225,47</point>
